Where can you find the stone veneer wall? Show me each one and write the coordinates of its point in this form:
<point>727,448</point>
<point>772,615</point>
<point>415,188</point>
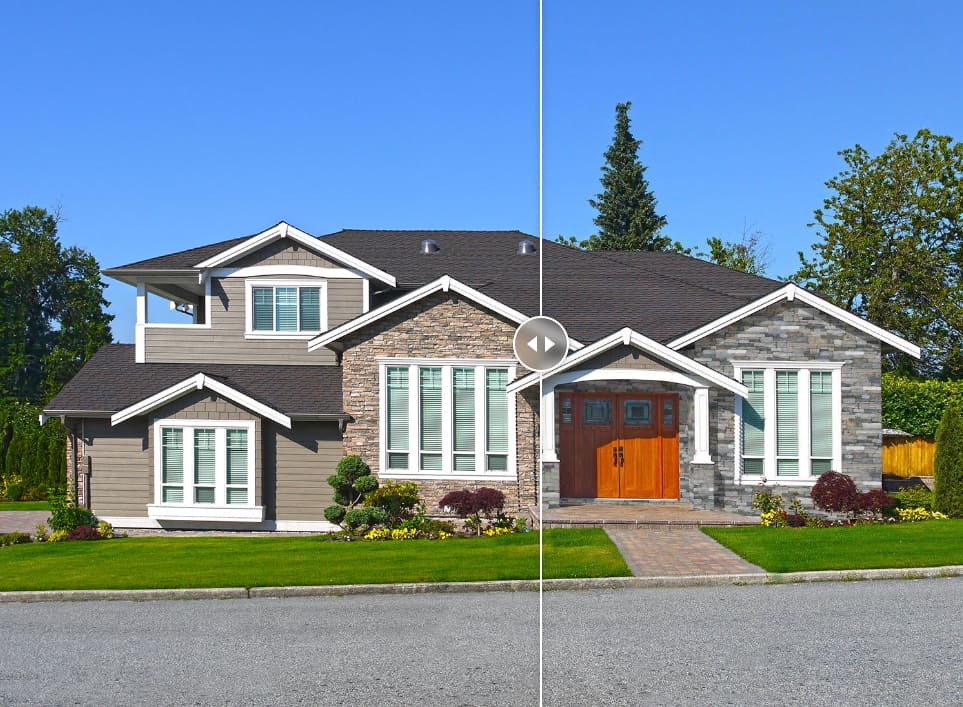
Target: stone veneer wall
<point>790,332</point>
<point>441,326</point>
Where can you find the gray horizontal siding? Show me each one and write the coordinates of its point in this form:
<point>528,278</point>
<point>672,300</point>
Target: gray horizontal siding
<point>120,478</point>
<point>282,252</point>
<point>302,459</point>
<point>224,342</point>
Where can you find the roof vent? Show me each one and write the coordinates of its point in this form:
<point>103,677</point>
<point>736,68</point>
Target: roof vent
<point>526,247</point>
<point>429,246</point>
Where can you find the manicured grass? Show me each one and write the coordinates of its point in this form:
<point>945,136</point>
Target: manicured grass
<point>926,544</point>
<point>164,562</point>
<point>24,506</point>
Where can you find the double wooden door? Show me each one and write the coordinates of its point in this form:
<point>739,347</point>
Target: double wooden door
<point>619,445</point>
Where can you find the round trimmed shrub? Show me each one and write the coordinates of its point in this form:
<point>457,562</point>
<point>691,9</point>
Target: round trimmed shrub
<point>835,492</point>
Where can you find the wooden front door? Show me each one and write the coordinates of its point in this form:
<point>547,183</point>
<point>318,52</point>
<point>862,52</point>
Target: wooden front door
<point>623,445</point>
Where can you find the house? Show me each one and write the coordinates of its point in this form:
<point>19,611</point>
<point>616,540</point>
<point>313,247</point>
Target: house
<point>683,379</point>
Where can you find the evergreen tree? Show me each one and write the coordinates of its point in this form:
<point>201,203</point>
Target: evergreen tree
<point>53,316</point>
<point>627,219</point>
<point>56,463</point>
<point>948,466</point>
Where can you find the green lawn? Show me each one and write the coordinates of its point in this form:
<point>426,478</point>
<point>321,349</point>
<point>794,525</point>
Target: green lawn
<point>24,506</point>
<point>926,544</point>
<point>163,562</point>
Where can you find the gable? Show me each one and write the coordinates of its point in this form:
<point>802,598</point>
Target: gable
<point>284,252</point>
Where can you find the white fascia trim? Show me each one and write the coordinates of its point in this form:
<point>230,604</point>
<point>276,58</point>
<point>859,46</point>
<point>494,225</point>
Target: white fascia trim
<point>206,512</point>
<point>198,382</point>
<point>282,270</point>
<point>442,284</point>
<point>790,293</point>
<point>790,365</point>
<point>285,230</point>
<point>627,337</point>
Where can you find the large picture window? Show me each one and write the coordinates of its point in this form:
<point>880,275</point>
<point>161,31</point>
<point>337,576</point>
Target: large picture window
<point>447,419</point>
<point>789,425</point>
<point>285,307</point>
<point>207,463</point>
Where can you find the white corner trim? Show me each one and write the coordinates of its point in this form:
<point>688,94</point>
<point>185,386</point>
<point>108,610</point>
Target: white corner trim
<point>790,293</point>
<point>198,382</point>
<point>285,230</point>
<point>628,337</point>
<point>442,284</point>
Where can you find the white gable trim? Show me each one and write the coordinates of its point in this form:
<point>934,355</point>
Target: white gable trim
<point>627,337</point>
<point>199,382</point>
<point>442,284</point>
<point>285,230</point>
<point>789,293</point>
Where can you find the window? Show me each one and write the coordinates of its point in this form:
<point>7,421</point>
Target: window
<point>447,419</point>
<point>285,307</point>
<point>789,426</point>
<point>205,463</point>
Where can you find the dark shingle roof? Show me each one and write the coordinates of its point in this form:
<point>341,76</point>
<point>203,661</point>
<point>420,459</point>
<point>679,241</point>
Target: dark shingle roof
<point>661,295</point>
<point>111,381</point>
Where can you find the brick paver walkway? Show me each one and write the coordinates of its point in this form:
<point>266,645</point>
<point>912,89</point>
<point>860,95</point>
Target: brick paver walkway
<point>606,514</point>
<point>22,521</point>
<point>677,551</point>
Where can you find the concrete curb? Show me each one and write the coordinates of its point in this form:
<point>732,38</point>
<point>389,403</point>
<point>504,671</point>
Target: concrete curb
<point>519,585</point>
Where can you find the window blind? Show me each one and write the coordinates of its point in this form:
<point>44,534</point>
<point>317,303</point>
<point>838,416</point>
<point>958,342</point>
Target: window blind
<point>753,423</point>
<point>264,308</point>
<point>172,465</point>
<point>310,304</point>
<point>286,306</point>
<point>431,422</point>
<point>787,423</point>
<point>204,469</point>
<point>496,418</point>
<point>821,414</point>
<point>397,437</point>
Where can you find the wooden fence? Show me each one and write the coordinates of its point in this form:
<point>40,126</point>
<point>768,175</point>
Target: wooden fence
<point>908,456</point>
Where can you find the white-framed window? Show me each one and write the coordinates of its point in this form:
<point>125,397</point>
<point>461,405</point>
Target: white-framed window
<point>285,308</point>
<point>447,419</point>
<point>789,429</point>
<point>204,464</point>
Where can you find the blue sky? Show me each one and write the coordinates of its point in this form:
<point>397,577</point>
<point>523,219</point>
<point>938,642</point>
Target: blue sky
<point>162,126</point>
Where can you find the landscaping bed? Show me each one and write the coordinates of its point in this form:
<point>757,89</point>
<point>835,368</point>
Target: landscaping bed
<point>164,563</point>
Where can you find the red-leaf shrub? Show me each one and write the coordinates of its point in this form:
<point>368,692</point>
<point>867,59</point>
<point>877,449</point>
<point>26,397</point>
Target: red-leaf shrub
<point>485,501</point>
<point>84,532</point>
<point>795,520</point>
<point>835,492</point>
<point>489,501</point>
<point>876,501</point>
<point>462,503</point>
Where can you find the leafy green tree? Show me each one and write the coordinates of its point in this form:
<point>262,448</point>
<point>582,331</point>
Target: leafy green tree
<point>627,219</point>
<point>749,254</point>
<point>53,316</point>
<point>948,464</point>
<point>890,246</point>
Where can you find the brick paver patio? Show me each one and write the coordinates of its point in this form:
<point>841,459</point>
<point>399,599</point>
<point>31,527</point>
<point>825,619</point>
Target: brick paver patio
<point>22,521</point>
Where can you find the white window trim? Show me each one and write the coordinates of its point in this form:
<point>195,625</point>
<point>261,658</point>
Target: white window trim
<point>414,420</point>
<point>220,510</point>
<point>251,333</point>
<point>804,368</point>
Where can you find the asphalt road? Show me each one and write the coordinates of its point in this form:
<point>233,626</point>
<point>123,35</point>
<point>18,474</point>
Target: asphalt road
<point>844,643</point>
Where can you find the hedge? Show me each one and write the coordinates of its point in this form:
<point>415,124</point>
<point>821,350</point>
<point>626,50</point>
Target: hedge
<point>32,457</point>
<point>917,406</point>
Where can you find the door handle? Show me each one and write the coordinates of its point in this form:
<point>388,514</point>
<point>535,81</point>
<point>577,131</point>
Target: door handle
<point>621,455</point>
<point>615,456</point>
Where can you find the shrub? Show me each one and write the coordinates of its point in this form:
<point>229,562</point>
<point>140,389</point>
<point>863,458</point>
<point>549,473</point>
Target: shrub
<point>364,517</point>
<point>765,501</point>
<point>66,515</point>
<point>472,505</point>
<point>911,515</point>
<point>835,492</point>
<point>915,497</point>
<point>776,518</point>
<point>795,520</point>
<point>396,499</point>
<point>14,538</point>
<point>105,529</point>
<point>876,502</point>
<point>41,533</point>
<point>58,536</point>
<point>948,464</point>
<point>917,406</point>
<point>351,482</point>
<point>461,503</point>
<point>489,501</point>
<point>84,532</point>
<point>14,491</point>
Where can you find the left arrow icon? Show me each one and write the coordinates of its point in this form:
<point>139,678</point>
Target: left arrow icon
<point>533,344</point>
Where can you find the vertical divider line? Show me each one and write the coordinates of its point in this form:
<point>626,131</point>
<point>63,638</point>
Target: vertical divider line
<point>541,475</point>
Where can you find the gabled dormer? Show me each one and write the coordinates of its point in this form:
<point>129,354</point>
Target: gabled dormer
<point>257,299</point>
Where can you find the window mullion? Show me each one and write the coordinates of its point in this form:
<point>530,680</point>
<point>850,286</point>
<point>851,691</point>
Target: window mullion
<point>414,418</point>
<point>220,466</point>
<point>447,420</point>
<point>481,422</point>
<point>769,422</point>
<point>805,424</point>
